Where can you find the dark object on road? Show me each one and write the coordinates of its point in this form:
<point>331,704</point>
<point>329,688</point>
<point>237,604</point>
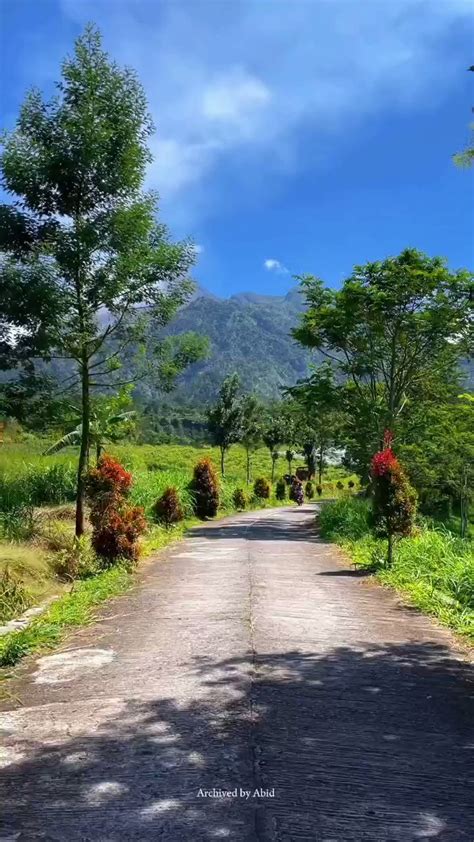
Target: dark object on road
<point>296,492</point>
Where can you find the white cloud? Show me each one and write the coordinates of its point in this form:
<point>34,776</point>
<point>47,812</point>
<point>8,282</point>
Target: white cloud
<point>234,97</point>
<point>241,84</point>
<point>273,265</point>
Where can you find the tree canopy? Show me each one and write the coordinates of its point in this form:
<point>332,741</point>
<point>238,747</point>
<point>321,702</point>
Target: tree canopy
<point>395,327</point>
<point>85,263</point>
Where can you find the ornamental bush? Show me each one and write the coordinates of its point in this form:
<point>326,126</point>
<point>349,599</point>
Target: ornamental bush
<point>116,526</point>
<point>205,489</point>
<point>239,499</point>
<point>339,485</point>
<point>168,508</point>
<point>261,488</point>
<point>309,490</point>
<point>394,499</point>
<point>116,531</point>
<point>351,483</point>
<point>110,477</point>
<point>280,489</point>
<point>319,490</point>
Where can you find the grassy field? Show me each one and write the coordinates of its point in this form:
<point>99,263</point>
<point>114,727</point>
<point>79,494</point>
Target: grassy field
<point>29,478</point>
<point>36,511</point>
<point>434,569</point>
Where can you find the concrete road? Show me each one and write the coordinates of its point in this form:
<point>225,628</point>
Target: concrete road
<point>251,687</point>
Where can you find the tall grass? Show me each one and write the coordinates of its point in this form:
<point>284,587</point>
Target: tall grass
<point>433,568</point>
<point>36,485</point>
<point>345,518</point>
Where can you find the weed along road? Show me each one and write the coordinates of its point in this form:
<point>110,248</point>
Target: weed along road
<point>250,687</point>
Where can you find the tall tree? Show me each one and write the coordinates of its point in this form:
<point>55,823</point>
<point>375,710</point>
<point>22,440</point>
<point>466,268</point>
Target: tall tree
<point>318,416</point>
<point>252,413</point>
<point>273,434</point>
<point>385,330</point>
<point>225,418</point>
<point>437,441</point>
<point>85,263</point>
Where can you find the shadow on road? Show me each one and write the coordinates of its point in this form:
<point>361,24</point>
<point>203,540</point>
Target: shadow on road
<point>359,573</point>
<point>268,528</point>
<point>374,743</point>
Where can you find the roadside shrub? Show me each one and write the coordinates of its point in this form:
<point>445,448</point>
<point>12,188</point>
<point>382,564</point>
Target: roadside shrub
<point>261,488</point>
<point>309,490</point>
<point>116,532</point>
<point>110,477</point>
<point>239,499</point>
<point>319,490</point>
<point>339,485</point>
<point>116,526</point>
<point>280,489</point>
<point>351,483</point>
<point>394,500</point>
<point>205,487</point>
<point>168,508</point>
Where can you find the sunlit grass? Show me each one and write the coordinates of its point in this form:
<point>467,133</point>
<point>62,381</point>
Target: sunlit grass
<point>434,569</point>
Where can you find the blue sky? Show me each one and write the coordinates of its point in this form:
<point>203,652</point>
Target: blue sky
<point>293,136</point>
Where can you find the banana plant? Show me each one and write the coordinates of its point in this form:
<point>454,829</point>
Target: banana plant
<point>106,424</point>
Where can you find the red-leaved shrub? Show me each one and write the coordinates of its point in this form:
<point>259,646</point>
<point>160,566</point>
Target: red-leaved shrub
<point>205,489</point>
<point>109,477</point>
<point>116,532</point>
<point>116,526</point>
<point>394,500</point>
<point>168,508</point>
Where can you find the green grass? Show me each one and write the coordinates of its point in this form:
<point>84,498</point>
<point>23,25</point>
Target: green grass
<point>434,569</point>
<point>25,570</point>
<point>74,609</point>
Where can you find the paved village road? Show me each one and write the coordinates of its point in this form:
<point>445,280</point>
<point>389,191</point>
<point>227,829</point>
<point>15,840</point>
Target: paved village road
<point>248,658</point>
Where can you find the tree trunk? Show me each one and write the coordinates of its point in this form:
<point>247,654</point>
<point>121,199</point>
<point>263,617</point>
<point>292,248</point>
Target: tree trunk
<point>84,451</point>
<point>320,464</point>
<point>98,451</point>
<point>273,465</point>
<point>390,550</point>
<point>223,461</point>
<point>248,465</point>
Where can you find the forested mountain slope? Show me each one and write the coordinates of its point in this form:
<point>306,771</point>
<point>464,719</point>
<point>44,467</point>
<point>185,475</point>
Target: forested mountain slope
<point>248,333</point>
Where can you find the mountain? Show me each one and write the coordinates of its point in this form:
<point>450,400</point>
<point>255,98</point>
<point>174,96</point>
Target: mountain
<point>249,334</point>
